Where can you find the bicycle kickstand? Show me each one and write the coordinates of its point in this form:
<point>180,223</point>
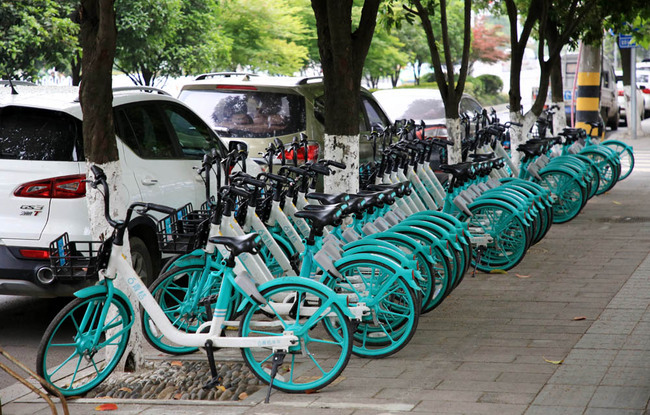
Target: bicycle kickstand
<point>278,359</point>
<point>216,379</point>
<point>479,253</point>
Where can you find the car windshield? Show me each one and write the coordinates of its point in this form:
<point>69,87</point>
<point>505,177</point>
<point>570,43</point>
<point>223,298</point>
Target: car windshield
<point>247,114</point>
<point>643,78</point>
<point>34,134</point>
<point>412,107</point>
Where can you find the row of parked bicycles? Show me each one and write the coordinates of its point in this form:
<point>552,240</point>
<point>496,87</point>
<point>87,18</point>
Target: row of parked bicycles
<point>301,280</point>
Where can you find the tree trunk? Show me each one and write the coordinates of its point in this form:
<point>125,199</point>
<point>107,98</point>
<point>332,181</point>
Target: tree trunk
<point>342,57</point>
<point>588,92</point>
<point>75,69</point>
<point>454,131</point>
<point>557,97</point>
<point>450,90</point>
<point>98,35</point>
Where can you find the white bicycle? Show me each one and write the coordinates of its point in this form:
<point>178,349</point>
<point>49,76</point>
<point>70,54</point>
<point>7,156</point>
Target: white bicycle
<point>280,335</point>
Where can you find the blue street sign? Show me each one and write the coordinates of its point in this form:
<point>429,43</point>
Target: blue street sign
<point>626,42</point>
<point>567,95</point>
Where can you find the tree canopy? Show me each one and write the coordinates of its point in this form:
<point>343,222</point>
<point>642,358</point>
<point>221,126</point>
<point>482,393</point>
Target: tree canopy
<point>35,34</point>
<point>168,37</point>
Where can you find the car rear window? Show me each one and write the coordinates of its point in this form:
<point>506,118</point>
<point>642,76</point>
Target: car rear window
<point>401,107</point>
<point>37,134</point>
<point>250,114</point>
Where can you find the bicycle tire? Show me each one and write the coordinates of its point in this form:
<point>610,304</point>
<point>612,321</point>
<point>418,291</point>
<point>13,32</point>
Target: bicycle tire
<point>395,307</point>
<point>320,356</point>
<point>176,294</point>
<point>71,362</point>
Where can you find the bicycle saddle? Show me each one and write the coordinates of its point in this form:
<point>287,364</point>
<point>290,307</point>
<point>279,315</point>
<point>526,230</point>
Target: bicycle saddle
<point>456,170</point>
<point>321,217</point>
<point>481,157</point>
<point>250,243</point>
<point>400,189</point>
<point>373,199</point>
<point>356,205</point>
<point>327,198</point>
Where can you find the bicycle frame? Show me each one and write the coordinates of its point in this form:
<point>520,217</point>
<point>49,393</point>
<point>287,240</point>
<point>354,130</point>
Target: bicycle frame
<point>119,268</point>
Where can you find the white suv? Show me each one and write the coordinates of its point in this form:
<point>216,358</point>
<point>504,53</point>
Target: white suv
<point>42,171</point>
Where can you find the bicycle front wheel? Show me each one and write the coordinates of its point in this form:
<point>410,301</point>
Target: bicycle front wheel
<point>78,350</point>
<point>321,353</point>
<point>625,155</point>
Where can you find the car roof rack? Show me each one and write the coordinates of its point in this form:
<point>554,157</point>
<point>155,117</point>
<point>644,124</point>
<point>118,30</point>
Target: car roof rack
<point>309,79</point>
<point>142,88</point>
<point>223,75</point>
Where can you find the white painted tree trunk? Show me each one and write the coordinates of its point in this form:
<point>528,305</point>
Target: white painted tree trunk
<point>559,118</point>
<point>455,135</point>
<point>628,110</point>
<point>345,149</point>
<point>519,135</point>
<point>100,230</point>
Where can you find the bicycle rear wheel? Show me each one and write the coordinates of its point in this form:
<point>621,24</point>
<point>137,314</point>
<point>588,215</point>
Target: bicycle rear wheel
<point>321,354</point>
<point>68,355</point>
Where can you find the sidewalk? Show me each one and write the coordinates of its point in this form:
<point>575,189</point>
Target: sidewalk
<point>565,332</point>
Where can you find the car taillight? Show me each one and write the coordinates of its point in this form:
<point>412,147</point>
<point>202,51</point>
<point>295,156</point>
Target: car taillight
<point>646,90</point>
<point>620,93</point>
<point>63,187</point>
<point>312,153</point>
<point>35,253</point>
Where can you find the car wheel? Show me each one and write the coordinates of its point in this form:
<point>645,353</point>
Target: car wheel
<point>141,259</point>
<point>614,123</point>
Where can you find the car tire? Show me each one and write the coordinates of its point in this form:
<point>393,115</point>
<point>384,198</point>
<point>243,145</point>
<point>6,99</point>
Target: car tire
<point>614,123</point>
<point>141,259</point>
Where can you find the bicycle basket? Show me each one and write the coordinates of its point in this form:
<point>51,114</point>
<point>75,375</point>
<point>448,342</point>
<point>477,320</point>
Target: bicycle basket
<point>76,260</point>
<point>183,231</point>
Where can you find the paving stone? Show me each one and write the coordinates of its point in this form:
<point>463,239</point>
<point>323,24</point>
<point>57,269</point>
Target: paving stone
<point>479,408</point>
<point>507,398</point>
<point>622,397</point>
<point>470,385</point>
<point>601,341</point>
<point>572,374</point>
<point>552,410</point>
<point>613,411</point>
<point>627,376</point>
<point>565,395</point>
<point>612,327</point>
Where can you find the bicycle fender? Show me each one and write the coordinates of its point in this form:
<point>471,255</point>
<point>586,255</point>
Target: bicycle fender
<point>196,257</point>
<point>414,245</point>
<point>429,231</point>
<point>627,146</point>
<point>497,203</point>
<point>398,270</point>
<point>102,289</point>
<point>398,256</point>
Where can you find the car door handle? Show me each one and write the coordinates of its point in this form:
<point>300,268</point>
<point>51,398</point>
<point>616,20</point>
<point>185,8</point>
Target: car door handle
<point>149,181</point>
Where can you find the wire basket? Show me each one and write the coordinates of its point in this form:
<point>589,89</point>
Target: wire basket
<point>183,231</point>
<point>75,260</point>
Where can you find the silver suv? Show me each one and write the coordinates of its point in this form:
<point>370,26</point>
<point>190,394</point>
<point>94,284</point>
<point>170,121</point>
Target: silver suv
<point>257,109</point>
<point>42,171</point>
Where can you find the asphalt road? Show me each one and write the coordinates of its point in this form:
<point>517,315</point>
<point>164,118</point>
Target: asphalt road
<point>22,323</point>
